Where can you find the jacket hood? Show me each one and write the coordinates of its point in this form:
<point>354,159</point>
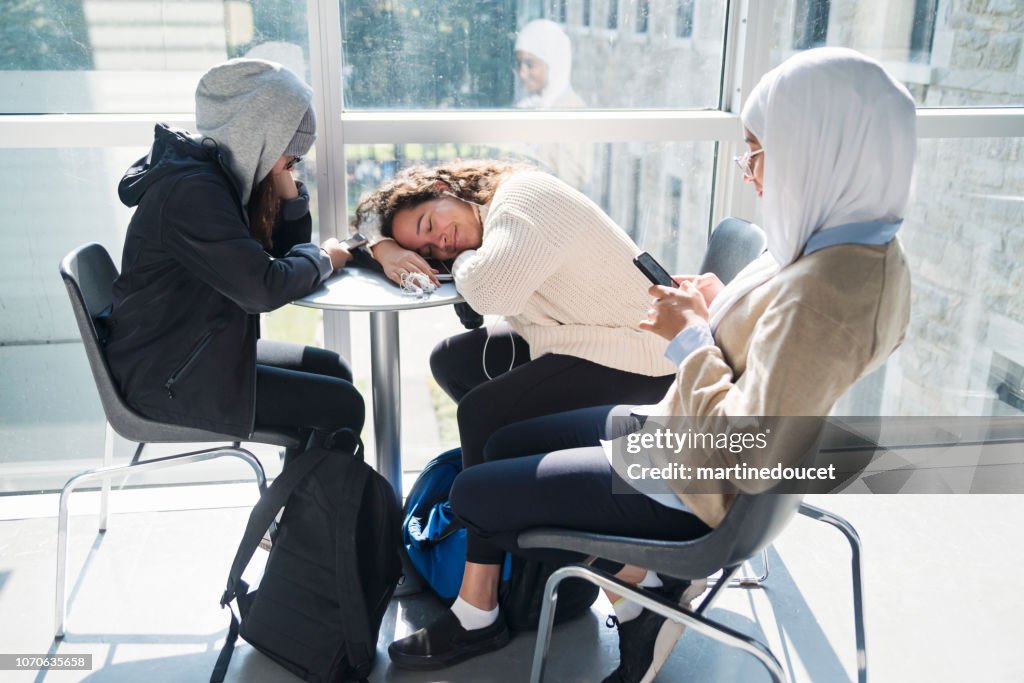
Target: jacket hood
<point>173,150</point>
<point>252,108</point>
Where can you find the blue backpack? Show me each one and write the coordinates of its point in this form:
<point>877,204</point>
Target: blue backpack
<point>436,544</point>
<point>434,539</point>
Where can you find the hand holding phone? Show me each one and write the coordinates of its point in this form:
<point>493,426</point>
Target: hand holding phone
<point>653,270</point>
<point>670,313</point>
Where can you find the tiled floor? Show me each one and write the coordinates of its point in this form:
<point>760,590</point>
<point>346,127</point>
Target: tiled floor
<point>144,602</point>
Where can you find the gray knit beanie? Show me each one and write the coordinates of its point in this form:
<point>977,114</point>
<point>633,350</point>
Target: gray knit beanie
<point>305,136</point>
<point>256,111</point>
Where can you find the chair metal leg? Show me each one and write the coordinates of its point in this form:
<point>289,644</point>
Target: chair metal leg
<point>104,474</point>
<point>716,589</point>
<point>544,626</point>
<point>719,632</point>
<point>108,460</point>
<point>747,581</point>
<point>858,581</point>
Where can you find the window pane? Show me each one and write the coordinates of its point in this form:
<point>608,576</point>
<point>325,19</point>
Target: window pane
<point>949,54</point>
<point>108,56</point>
<point>964,353</point>
<point>639,185</point>
<point>462,54</point>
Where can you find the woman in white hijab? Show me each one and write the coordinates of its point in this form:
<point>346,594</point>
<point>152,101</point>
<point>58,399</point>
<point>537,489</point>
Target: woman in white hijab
<point>543,54</point>
<point>544,66</point>
<point>831,150</point>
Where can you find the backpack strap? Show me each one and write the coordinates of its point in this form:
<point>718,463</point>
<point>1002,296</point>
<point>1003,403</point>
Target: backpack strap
<point>260,519</point>
<point>355,626</point>
<point>220,670</point>
<point>264,512</point>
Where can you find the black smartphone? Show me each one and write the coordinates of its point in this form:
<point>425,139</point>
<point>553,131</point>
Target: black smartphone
<point>355,241</point>
<point>653,270</point>
<point>443,268</point>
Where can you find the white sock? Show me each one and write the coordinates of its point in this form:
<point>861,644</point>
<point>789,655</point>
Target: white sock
<point>471,617</point>
<point>652,580</point>
<point>626,610</point>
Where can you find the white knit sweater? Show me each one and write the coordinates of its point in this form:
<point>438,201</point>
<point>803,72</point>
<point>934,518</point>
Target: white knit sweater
<point>562,273</point>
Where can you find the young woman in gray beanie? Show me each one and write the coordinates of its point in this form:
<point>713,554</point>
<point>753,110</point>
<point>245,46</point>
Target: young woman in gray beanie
<point>221,234</point>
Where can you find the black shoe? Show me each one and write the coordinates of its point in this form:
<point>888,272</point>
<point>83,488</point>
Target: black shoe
<point>444,643</point>
<point>646,642</point>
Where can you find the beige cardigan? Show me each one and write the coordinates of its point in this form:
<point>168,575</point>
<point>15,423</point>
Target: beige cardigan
<point>792,347</point>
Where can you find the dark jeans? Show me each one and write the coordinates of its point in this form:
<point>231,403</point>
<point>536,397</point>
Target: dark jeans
<point>569,488</point>
<point>550,384</point>
<point>305,388</point>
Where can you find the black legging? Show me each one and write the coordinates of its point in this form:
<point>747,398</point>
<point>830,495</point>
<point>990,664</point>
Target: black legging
<point>549,384</point>
<point>570,488</point>
<point>306,388</point>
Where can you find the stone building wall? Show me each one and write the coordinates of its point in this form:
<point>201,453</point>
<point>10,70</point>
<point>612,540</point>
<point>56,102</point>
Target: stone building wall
<point>965,231</point>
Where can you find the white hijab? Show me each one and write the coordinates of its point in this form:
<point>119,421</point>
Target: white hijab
<point>546,39</point>
<point>839,137</point>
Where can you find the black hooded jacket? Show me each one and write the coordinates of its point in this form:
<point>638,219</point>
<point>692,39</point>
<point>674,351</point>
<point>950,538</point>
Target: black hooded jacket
<point>181,334</point>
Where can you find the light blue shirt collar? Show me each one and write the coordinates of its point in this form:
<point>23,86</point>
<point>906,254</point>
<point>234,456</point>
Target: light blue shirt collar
<point>868,232</point>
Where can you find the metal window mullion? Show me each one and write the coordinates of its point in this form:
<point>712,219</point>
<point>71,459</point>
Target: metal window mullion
<point>748,51</point>
<point>724,185</point>
<point>324,19</point>
<point>64,131</point>
<point>324,22</point>
<point>989,122</point>
<point>488,127</point>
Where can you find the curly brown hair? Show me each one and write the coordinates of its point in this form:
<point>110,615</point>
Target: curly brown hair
<point>473,181</point>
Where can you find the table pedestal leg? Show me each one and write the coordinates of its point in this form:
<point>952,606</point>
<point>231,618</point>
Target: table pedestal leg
<point>387,396</point>
<point>387,418</point>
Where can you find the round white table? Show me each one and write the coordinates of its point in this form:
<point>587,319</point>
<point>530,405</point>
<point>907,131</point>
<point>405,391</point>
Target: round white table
<point>363,289</point>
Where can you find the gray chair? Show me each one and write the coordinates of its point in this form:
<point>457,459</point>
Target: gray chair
<point>89,274</point>
<point>748,529</point>
<point>732,245</point>
<point>750,525</point>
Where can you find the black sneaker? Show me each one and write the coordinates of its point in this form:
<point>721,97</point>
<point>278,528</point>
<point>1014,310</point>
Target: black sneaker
<point>646,642</point>
<point>444,643</point>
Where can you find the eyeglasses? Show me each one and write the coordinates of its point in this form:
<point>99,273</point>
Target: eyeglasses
<point>292,163</point>
<point>745,162</point>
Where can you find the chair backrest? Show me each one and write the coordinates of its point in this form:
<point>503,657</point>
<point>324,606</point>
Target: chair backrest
<point>89,274</point>
<point>733,244</point>
<point>753,522</point>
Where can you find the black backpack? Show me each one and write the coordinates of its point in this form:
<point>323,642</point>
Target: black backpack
<point>332,569</point>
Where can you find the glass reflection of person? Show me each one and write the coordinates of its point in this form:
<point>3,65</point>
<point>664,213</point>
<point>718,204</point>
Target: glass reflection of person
<point>544,66</point>
<point>543,55</point>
